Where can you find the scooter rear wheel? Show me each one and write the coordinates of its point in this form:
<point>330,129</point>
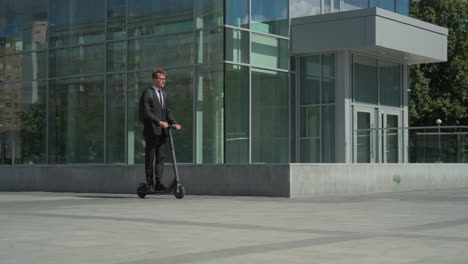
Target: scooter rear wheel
<point>179,194</point>
<point>141,191</point>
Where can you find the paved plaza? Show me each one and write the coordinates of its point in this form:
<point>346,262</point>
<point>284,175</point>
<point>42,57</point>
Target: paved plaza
<point>407,227</point>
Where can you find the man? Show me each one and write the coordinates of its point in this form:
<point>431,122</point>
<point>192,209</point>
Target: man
<point>157,117</point>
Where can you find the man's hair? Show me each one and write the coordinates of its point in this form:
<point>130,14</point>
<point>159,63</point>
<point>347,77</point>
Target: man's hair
<point>160,71</point>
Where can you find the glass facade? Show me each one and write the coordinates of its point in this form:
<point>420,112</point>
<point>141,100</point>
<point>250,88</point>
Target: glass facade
<point>72,71</point>
<point>316,108</point>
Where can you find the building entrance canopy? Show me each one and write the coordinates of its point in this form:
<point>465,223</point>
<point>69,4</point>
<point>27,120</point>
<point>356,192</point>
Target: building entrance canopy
<point>373,31</point>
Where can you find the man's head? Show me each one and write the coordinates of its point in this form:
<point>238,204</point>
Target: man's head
<point>159,77</point>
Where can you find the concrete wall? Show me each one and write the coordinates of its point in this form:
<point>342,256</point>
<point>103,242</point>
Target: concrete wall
<point>248,180</point>
<point>279,180</point>
<point>326,179</point>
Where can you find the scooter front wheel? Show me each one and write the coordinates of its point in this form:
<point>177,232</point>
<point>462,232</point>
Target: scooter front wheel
<point>179,192</point>
<point>141,191</point>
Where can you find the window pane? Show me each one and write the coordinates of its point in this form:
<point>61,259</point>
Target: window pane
<point>310,80</point>
<point>179,88</point>
<point>210,114</point>
<point>365,80</point>
<point>328,78</point>
<point>390,83</point>
<point>23,25</point>
<point>25,67</point>
<point>269,52</point>
<point>310,150</point>
<point>237,45</point>
<point>328,134</point>
<point>209,13</point>
<point>115,127</point>
<point>116,19</point>
<point>76,120</point>
<point>210,45</point>
<point>237,114</point>
<point>237,13</point>
<point>77,60</point>
<point>336,5</point>
<point>301,8</point>
<point>310,121</point>
<point>271,16</point>
<point>116,56</point>
<point>402,7</point>
<point>326,6</point>
<point>161,51</point>
<point>147,17</point>
<point>76,22</point>
<point>385,4</point>
<point>23,123</point>
<point>270,115</point>
<point>355,4</point>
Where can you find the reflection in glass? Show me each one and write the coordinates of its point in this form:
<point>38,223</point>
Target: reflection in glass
<point>270,114</point>
<point>23,25</point>
<point>148,17</point>
<point>328,134</point>
<point>270,16</point>
<point>210,45</point>
<point>116,56</point>
<point>310,80</point>
<point>76,120</point>
<point>328,78</point>
<point>23,123</point>
<point>310,121</point>
<point>76,22</point>
<point>237,114</point>
<point>237,13</point>
<point>77,60</point>
<point>269,52</point>
<point>237,45</point>
<point>390,83</point>
<point>363,137</point>
<point>209,13</point>
<point>24,67</point>
<point>301,8</point>
<point>336,5</point>
<point>210,114</point>
<point>116,19</point>
<point>355,4</point>
<point>384,4</point>
<point>391,134</point>
<point>161,51</point>
<point>179,86</point>
<point>115,119</point>
<point>402,7</point>
<point>365,79</point>
<point>326,6</point>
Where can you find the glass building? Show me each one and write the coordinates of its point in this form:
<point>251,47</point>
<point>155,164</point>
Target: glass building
<point>245,81</point>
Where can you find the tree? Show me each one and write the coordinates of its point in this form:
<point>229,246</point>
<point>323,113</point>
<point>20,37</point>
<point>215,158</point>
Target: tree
<point>440,90</point>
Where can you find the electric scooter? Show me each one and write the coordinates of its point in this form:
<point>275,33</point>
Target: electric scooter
<point>175,187</point>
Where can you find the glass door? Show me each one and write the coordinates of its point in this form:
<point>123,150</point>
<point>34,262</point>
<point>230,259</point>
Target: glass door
<point>390,136</point>
<point>364,135</point>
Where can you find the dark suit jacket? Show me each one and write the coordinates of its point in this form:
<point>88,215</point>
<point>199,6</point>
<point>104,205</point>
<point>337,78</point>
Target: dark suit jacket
<point>153,113</point>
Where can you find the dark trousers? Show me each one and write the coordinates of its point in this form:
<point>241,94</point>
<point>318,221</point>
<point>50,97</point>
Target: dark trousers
<point>154,159</point>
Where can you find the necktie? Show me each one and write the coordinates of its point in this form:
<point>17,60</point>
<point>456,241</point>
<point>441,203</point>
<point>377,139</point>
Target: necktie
<point>160,97</point>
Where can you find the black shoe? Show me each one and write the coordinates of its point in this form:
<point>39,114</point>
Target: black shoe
<point>150,188</point>
<point>159,187</point>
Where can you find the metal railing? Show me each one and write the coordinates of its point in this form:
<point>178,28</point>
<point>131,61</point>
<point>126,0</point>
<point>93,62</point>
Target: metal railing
<point>434,144</point>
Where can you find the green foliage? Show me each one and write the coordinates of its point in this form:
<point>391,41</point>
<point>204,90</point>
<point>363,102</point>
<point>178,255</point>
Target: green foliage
<point>440,90</point>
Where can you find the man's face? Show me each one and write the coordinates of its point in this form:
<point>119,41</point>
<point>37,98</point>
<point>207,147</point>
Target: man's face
<point>160,80</point>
